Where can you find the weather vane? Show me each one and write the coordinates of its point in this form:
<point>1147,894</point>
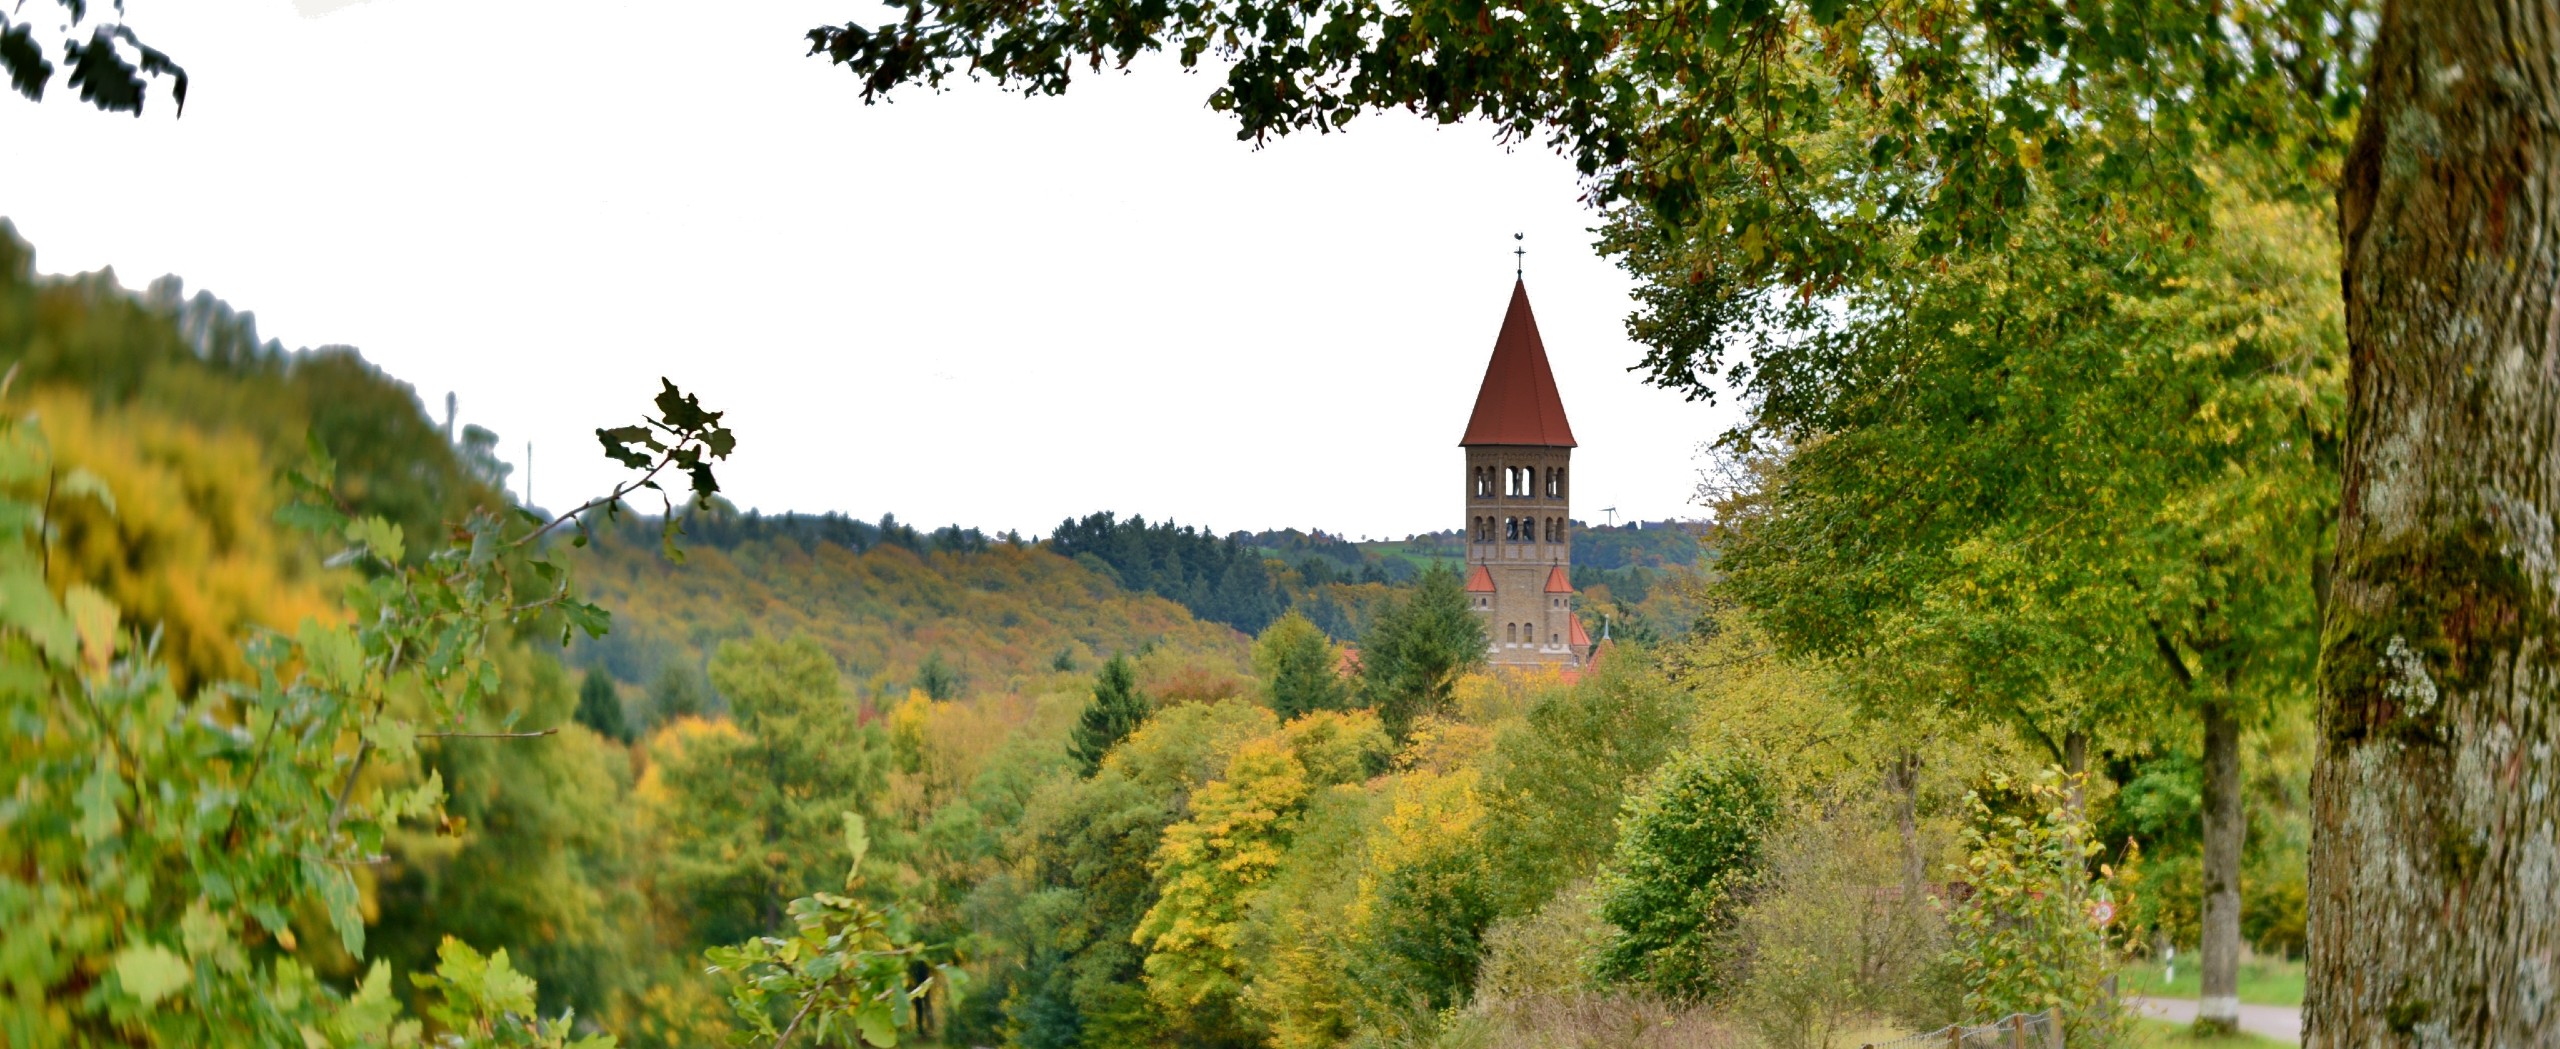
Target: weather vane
<point>1519,257</point>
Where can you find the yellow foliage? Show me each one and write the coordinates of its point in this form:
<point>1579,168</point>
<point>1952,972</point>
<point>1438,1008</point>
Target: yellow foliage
<point>1335,746</point>
<point>670,745</point>
<point>1209,869</point>
<point>1441,745</point>
<point>1432,816</point>
<point>189,547</point>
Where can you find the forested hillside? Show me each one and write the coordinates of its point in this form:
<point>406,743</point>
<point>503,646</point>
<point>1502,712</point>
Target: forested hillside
<point>945,618</point>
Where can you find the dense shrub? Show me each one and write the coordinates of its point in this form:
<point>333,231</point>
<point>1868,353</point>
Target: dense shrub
<point>1689,851</point>
<point>2034,930</point>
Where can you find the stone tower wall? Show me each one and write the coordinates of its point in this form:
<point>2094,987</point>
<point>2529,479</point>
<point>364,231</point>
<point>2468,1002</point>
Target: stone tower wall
<point>1524,623</point>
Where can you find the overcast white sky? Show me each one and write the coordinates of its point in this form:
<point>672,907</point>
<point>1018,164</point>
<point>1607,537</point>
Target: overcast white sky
<point>967,307</point>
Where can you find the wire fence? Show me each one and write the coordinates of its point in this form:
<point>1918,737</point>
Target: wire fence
<point>2015,1031</point>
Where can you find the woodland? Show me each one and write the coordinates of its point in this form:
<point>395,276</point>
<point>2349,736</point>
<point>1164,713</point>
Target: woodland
<point>2138,538</point>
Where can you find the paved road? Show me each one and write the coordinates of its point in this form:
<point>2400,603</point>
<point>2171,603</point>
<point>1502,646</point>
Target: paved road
<point>2281,1022</point>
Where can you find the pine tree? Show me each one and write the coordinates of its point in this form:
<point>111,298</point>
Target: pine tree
<point>1411,659</point>
<point>600,706</point>
<point>1117,709</point>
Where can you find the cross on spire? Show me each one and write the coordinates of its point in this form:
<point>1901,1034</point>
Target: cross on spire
<point>1519,257</point>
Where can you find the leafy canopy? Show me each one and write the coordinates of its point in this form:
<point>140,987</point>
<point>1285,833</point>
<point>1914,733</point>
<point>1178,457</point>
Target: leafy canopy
<point>1801,144</point>
<point>173,839</point>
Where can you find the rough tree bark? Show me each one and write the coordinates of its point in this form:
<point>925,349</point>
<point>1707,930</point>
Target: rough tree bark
<point>2435,862</point>
<point>2219,1007</point>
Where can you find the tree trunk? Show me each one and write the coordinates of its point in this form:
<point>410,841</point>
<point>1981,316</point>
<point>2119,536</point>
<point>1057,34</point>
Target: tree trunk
<point>2075,764</point>
<point>1903,779</point>
<point>2435,862</point>
<point>2219,1009</point>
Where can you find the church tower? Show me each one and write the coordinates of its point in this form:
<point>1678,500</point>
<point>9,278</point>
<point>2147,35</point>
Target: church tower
<point>1519,451</point>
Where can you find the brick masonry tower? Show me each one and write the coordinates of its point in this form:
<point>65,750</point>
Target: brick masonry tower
<point>1519,451</point>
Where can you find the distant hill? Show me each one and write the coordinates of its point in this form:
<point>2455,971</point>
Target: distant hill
<point>996,614</point>
<point>188,417</point>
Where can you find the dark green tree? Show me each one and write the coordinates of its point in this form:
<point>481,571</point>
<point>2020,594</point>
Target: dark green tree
<point>1689,849</point>
<point>1411,658</point>
<point>1296,663</point>
<point>677,692</point>
<point>1117,709</point>
<point>936,678</point>
<point>600,706</point>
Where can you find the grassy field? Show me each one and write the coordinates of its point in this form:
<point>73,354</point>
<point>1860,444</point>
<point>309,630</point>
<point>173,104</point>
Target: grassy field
<point>1422,555</point>
<point>2263,981</point>
<point>2161,1034</point>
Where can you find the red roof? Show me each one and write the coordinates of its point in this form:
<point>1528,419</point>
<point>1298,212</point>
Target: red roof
<point>1518,403</point>
<point>1579,638</point>
<point>1479,581</point>
<point>1558,582</point>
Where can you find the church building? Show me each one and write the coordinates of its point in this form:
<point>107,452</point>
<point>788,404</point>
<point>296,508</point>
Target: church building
<point>1519,452</point>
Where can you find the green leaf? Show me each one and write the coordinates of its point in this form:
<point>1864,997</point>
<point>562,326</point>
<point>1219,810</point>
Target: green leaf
<point>878,1025</point>
<point>857,838</point>
<point>26,604</point>
<point>338,896</point>
<point>380,536</point>
<point>98,801</point>
<point>151,972</point>
<point>332,653</point>
<point>310,517</point>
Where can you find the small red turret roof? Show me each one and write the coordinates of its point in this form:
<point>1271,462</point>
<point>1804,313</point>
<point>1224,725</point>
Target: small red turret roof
<point>1518,403</point>
<point>1479,581</point>
<point>1558,582</point>
<point>1578,637</point>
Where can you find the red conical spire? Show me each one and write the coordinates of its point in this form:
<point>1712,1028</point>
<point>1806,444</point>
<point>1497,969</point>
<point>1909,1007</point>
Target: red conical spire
<point>1518,403</point>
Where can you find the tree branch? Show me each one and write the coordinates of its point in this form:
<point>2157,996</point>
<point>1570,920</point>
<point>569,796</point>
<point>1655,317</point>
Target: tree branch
<point>489,735</point>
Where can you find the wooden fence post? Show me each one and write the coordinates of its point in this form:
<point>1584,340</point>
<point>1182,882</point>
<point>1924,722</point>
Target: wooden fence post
<point>2017,1031</point>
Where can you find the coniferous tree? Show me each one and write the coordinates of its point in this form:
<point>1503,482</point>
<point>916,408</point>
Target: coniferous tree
<point>1411,659</point>
<point>1296,663</point>
<point>600,706</point>
<point>1117,709</point>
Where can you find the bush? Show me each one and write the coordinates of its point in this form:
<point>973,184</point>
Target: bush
<point>1832,943</point>
<point>2035,932</point>
<point>1689,851</point>
<point>1544,954</point>
<point>1582,1021</point>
